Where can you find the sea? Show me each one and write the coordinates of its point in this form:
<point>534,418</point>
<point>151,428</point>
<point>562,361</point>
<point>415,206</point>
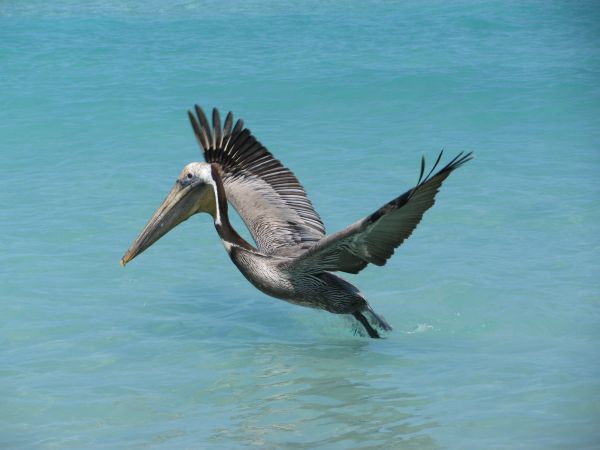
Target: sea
<point>494,299</point>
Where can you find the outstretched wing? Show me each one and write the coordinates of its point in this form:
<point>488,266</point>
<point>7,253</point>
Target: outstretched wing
<point>268,197</point>
<point>374,238</point>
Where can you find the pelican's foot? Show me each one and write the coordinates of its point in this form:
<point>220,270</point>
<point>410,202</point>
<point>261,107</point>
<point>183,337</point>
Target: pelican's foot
<point>365,323</point>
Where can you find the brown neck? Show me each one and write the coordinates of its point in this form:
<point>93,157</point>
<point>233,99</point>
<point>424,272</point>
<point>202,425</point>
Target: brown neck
<point>223,226</point>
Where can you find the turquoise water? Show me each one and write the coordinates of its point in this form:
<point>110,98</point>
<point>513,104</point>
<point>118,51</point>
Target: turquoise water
<point>495,299</point>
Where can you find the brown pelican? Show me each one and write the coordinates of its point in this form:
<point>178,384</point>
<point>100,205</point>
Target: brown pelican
<point>293,259</point>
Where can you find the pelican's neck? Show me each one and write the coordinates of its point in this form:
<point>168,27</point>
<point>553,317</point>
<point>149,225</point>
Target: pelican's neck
<point>226,232</point>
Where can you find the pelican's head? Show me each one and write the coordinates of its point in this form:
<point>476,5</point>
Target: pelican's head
<point>195,191</point>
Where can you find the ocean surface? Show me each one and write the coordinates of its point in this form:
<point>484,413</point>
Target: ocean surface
<point>494,300</point>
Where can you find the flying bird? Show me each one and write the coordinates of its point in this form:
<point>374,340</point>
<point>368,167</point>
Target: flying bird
<point>292,258</point>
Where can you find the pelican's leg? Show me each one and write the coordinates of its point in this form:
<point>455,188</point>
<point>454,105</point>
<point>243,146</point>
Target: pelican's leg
<point>362,319</point>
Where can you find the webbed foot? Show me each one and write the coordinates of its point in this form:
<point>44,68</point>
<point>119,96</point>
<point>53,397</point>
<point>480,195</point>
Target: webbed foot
<point>365,323</point>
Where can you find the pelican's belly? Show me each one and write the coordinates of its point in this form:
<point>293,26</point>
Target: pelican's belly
<point>264,272</point>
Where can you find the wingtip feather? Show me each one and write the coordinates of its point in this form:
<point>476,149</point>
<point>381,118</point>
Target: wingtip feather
<point>197,131</point>
<point>217,134</point>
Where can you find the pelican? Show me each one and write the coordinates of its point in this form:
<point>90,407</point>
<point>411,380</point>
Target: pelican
<point>292,259</point>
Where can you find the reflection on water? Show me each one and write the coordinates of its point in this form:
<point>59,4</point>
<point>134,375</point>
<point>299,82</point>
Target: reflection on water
<point>340,393</point>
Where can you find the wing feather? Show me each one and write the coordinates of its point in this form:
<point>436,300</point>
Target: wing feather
<point>374,238</point>
<point>267,195</point>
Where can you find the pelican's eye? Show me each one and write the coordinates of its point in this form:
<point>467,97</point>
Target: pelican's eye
<point>189,176</point>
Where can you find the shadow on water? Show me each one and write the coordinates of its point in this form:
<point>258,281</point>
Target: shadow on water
<point>309,396</point>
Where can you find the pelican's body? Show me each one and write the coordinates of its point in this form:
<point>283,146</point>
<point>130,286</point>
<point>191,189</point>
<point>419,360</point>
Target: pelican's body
<point>293,259</point>
<point>275,276</point>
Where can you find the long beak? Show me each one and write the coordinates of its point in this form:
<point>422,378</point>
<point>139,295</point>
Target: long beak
<point>180,205</point>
